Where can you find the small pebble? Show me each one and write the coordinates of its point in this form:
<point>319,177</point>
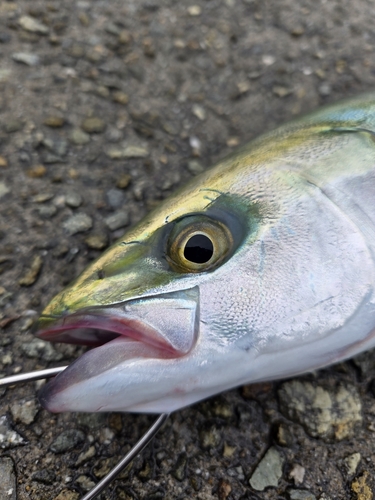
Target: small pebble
<point>32,273</point>
<point>79,137</point>
<point>73,199</point>
<point>115,198</point>
<point>67,495</point>
<point>124,181</point>
<point>179,470</point>
<point>199,112</point>
<point>56,145</point>
<point>301,495</point>
<point>86,455</point>
<point>117,220</point>
<point>47,211</point>
<point>120,97</point>
<point>3,162</point>
<point>297,474</point>
<point>195,167</point>
<point>8,437</point>
<point>126,152</point>
<point>106,436</point>
<point>281,91</point>
<point>31,24</point>
<point>85,482</point>
<point>27,58</point>
<point>36,172</point>
<point>42,197</point>
<point>361,486</point>
<point>8,490</point>
<point>25,411</point>
<point>97,241</point>
<point>93,125</point>
<point>269,470</point>
<point>351,463</point>
<point>113,134</point>
<point>44,476</point>
<point>54,121</point>
<point>194,10</point>
<point>3,189</point>
<point>78,223</point>
<point>67,440</point>
<point>325,89</point>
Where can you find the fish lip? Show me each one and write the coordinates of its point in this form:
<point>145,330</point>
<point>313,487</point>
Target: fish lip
<point>142,320</point>
<point>96,328</point>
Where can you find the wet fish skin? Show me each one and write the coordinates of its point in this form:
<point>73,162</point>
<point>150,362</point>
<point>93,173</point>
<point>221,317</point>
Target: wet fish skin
<point>292,291</point>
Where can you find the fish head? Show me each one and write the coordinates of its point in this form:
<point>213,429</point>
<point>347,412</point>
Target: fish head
<point>142,307</point>
<point>242,275</point>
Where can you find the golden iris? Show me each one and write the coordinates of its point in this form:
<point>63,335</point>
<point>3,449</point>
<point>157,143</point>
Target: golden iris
<point>198,243</point>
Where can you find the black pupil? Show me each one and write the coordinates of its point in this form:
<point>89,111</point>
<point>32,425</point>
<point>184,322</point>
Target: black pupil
<point>199,249</point>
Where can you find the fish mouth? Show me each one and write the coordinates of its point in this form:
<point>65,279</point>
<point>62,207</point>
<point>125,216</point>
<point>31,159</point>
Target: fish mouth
<point>163,326</point>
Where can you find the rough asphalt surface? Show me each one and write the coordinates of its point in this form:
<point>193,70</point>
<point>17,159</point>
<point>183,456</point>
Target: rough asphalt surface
<point>106,107</point>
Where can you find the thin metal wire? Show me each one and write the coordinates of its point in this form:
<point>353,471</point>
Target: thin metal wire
<point>137,448</point>
<point>30,376</point>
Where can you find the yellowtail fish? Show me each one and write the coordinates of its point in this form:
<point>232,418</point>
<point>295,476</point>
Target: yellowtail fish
<point>262,267</point>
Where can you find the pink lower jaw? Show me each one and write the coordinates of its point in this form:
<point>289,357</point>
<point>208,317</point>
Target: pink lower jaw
<point>95,330</point>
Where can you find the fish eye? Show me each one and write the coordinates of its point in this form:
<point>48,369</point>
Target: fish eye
<point>197,244</point>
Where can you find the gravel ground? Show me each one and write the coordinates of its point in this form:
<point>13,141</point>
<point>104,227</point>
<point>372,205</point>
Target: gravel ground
<point>106,107</point>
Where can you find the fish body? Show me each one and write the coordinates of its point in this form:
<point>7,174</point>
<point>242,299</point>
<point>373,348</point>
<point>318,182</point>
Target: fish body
<point>260,268</point>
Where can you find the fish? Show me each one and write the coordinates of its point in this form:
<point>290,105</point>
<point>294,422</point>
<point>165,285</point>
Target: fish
<point>260,268</point>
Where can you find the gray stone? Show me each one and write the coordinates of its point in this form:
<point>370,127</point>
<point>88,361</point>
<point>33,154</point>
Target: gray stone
<point>27,58</point>
<point>269,470</point>
<point>351,463</point>
<point>79,137</point>
<point>117,220</point>
<point>47,211</point>
<point>97,241</point>
<point>85,482</point>
<point>8,489</point>
<point>25,411</point>
<point>113,134</point>
<point>86,455</point>
<point>325,89</point>
<point>199,112</point>
<point>9,438</point>
<point>31,24</point>
<point>195,167</point>
<point>42,197</point>
<point>126,152</point>
<point>73,199</point>
<point>56,145</point>
<point>301,495</point>
<point>38,348</point>
<point>45,476</point>
<point>78,223</point>
<point>93,125</point>
<point>324,413</point>
<point>67,440</point>
<point>115,198</point>
<point>3,189</point>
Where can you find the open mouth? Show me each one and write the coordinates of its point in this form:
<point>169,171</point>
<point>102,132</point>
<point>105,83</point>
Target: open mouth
<point>160,327</point>
<point>98,327</point>
<point>164,325</point>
